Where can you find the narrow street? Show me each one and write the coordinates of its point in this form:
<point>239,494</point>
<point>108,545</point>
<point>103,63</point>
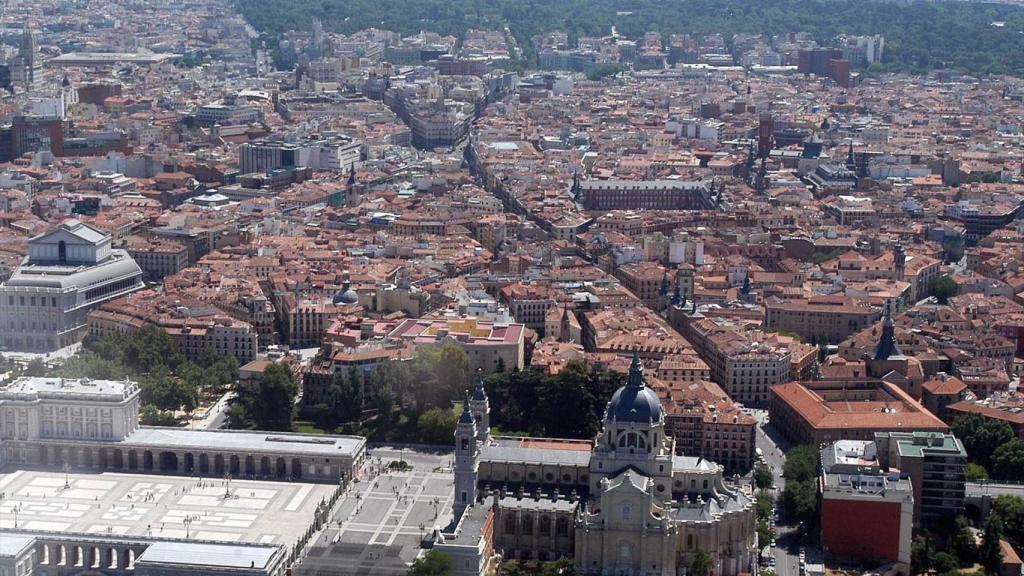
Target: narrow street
<point>773,447</point>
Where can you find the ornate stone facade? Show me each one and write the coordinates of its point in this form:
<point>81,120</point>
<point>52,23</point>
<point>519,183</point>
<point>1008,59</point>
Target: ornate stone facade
<point>623,504</point>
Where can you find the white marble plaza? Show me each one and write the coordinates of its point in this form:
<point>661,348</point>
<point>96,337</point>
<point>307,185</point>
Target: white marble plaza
<point>169,506</point>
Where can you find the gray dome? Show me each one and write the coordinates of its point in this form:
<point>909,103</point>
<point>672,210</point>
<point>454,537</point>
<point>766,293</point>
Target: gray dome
<point>630,404</point>
<point>346,295</point>
<point>634,402</point>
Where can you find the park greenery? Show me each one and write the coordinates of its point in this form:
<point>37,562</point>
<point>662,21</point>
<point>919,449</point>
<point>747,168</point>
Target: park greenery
<point>992,447</point>
<point>419,400</point>
<point>268,403</point>
<point>533,403</point>
<point>975,37</point>
<point>169,383</point>
<point>399,401</point>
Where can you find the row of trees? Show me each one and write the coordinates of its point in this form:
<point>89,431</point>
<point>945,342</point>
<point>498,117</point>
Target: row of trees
<point>801,492</point>
<point>919,35</point>
<point>993,448</point>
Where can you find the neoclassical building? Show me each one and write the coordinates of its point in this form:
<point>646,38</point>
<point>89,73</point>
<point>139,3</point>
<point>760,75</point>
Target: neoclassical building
<point>93,424</point>
<point>68,272</point>
<point>623,504</point>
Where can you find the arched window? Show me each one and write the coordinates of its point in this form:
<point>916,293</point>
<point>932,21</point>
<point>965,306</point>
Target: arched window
<point>627,512</point>
<point>562,526</point>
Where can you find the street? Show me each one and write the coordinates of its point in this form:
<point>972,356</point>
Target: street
<point>773,447</point>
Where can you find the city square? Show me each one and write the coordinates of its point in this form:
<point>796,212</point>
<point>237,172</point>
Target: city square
<point>379,525</point>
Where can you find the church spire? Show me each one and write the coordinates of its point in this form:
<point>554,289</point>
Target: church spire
<point>636,373</point>
<point>479,393</point>
<point>887,346</point>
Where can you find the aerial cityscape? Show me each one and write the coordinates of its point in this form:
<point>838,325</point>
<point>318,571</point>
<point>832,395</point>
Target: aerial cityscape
<point>511,288</point>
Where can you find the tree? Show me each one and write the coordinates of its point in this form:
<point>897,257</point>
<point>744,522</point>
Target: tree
<point>35,367</point>
<point>1008,461</point>
<point>437,425</point>
<point>801,463</point>
<point>765,533</point>
<point>764,504</point>
<point>268,404</point>
<point>701,564</point>
<point>975,472</point>
<point>801,498</point>
<point>991,553</point>
<point>963,542</point>
<point>1010,510</point>
<point>943,288</point>
<point>981,436</point>
<point>433,563</point>
<point>921,555</point>
<point>944,562</point>
<point>150,415</point>
<point>437,376</point>
<point>763,478</point>
<point>168,392</point>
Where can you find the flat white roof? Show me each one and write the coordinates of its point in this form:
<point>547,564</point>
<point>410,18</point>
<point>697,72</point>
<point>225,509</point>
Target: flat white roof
<point>31,387</point>
<point>246,441</point>
<point>220,555</point>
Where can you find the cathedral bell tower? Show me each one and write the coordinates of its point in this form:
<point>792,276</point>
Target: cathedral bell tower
<point>467,460</point>
<point>899,260</point>
<point>481,409</point>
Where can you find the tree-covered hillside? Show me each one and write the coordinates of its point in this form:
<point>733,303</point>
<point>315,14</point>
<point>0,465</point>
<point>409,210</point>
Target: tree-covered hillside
<point>920,35</point>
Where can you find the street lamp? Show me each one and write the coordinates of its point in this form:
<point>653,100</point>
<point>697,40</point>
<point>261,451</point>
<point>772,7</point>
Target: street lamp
<point>359,498</point>
<point>227,485</point>
<point>16,510</point>
<point>66,468</point>
<point>188,524</point>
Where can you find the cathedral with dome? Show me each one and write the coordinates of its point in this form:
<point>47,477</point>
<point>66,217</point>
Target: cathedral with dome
<point>622,504</point>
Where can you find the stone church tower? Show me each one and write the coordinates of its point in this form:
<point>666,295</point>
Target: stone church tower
<point>467,461</point>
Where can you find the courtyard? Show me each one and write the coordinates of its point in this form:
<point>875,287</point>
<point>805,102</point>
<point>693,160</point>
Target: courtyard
<point>123,504</point>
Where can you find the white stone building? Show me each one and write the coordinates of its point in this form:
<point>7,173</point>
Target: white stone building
<point>68,272</point>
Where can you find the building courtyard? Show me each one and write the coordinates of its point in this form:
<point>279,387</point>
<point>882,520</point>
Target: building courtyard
<point>157,506</point>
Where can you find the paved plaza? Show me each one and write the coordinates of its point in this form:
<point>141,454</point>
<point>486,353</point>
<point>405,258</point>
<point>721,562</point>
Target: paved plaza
<point>160,506</point>
<point>380,523</point>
